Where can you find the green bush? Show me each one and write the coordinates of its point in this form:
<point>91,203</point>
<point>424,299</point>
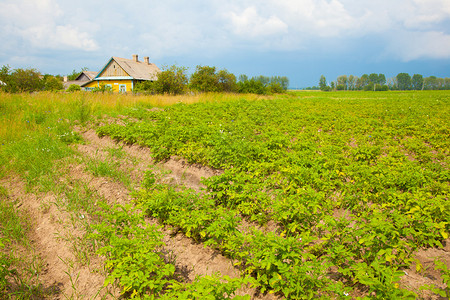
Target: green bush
<point>74,88</point>
<point>205,79</point>
<point>21,80</point>
<point>172,80</point>
<point>251,86</point>
<point>52,83</point>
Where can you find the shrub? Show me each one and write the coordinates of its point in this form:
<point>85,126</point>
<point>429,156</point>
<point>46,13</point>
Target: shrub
<point>51,83</point>
<point>251,86</point>
<point>103,88</point>
<point>74,88</point>
<point>379,87</point>
<point>275,88</point>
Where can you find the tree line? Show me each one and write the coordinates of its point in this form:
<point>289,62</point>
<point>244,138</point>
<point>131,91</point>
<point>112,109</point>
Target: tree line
<point>28,80</point>
<point>378,82</point>
<point>174,80</point>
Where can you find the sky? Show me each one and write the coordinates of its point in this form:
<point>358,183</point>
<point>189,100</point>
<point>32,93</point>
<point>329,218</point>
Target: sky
<point>300,39</point>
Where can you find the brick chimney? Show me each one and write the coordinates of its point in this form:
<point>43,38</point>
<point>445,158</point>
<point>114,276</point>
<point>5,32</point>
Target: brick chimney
<point>146,60</point>
<point>135,57</point>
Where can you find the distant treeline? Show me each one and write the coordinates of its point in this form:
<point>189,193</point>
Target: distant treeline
<point>378,82</point>
<point>174,80</point>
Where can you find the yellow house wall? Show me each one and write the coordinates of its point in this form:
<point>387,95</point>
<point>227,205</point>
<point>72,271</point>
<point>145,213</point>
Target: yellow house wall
<point>91,84</point>
<point>115,84</point>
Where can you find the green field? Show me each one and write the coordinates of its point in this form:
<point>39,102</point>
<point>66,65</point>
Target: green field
<point>318,195</point>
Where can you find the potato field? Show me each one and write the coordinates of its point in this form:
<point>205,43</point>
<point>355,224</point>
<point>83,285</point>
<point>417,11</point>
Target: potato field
<point>307,195</point>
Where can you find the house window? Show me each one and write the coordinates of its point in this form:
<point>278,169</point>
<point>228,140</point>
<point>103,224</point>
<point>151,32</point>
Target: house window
<point>122,88</point>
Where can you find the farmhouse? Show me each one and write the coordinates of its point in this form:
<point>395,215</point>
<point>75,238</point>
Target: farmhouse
<point>121,74</point>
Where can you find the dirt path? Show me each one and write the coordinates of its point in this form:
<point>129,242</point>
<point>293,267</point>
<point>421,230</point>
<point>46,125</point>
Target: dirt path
<point>51,229</point>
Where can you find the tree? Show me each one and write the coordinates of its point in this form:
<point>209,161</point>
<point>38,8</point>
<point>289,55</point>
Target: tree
<point>381,79</point>
<point>5,77</point>
<point>227,81</point>
<point>404,81</point>
<point>204,79</point>
<point>51,83</point>
<point>172,80</point>
<point>263,79</point>
<point>75,74</point>
<point>362,82</point>
<point>342,82</point>
<point>26,80</point>
<point>323,84</point>
<point>440,83</point>
<point>352,82</point>
<point>252,85</point>
<point>373,78</point>
<point>283,81</point>
<point>446,83</point>
<point>262,84</point>
<point>392,83</point>
<point>431,83</point>
<point>417,81</point>
<point>379,87</point>
<point>275,87</point>
<point>369,87</point>
<point>243,78</point>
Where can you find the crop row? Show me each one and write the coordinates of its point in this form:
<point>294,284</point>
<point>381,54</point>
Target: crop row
<point>137,262</point>
<point>355,186</point>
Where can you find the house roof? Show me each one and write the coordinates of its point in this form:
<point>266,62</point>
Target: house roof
<point>89,74</point>
<point>136,69</point>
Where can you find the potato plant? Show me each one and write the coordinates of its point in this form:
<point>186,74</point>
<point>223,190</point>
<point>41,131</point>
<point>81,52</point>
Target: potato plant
<point>355,183</point>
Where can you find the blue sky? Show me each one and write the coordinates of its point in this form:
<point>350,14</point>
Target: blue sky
<point>301,39</point>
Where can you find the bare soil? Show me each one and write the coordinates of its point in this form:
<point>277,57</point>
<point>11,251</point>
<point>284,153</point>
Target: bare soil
<point>52,227</point>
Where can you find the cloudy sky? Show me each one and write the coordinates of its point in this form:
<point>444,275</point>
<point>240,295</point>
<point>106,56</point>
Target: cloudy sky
<point>301,39</point>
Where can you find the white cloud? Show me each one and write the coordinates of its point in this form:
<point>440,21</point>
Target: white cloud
<point>207,28</point>
<point>250,24</point>
<point>297,22</point>
<point>41,25</point>
<point>51,36</point>
<point>319,18</point>
<point>408,46</point>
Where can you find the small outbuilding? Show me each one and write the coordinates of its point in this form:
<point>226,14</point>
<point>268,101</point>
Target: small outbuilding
<point>82,78</point>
